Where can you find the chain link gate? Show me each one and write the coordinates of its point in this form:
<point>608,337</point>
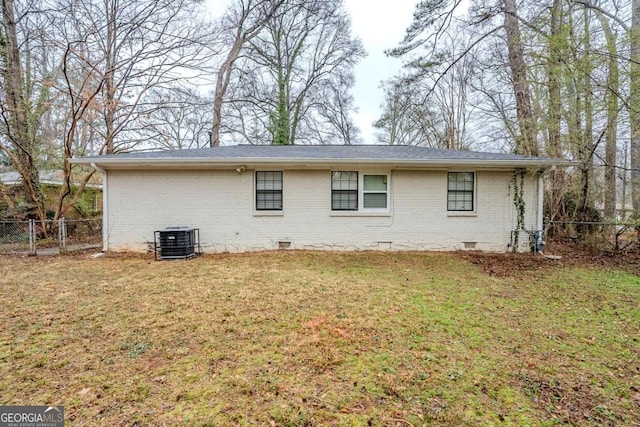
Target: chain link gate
<point>52,236</point>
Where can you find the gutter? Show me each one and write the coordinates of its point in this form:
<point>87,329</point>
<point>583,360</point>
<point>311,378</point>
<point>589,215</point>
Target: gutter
<point>306,162</point>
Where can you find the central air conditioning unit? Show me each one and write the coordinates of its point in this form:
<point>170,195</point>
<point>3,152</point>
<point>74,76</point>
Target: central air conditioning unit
<point>176,243</point>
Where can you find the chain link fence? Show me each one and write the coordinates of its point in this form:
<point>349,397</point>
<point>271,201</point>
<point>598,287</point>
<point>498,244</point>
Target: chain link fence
<point>50,237</point>
<point>15,236</point>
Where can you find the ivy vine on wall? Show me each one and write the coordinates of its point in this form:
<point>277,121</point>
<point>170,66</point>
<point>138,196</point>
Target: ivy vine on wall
<point>517,182</point>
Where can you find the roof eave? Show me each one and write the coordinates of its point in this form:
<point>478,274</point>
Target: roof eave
<point>193,162</point>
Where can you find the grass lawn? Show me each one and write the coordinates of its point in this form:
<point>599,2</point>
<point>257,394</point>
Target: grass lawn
<point>317,338</point>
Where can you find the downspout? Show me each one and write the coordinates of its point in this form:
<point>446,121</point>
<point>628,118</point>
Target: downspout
<point>540,243</point>
<point>540,213</point>
<point>105,207</point>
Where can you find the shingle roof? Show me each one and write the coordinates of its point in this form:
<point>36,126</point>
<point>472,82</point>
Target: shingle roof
<point>382,154</point>
<point>12,178</point>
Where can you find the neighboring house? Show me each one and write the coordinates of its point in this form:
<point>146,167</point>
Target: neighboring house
<point>12,192</point>
<point>13,178</point>
<point>259,197</point>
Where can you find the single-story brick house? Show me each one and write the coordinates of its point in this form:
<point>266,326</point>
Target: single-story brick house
<point>260,197</point>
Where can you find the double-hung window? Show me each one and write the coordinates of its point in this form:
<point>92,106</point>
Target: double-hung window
<point>375,192</point>
<point>460,189</point>
<point>353,191</point>
<point>344,191</point>
<point>268,190</point>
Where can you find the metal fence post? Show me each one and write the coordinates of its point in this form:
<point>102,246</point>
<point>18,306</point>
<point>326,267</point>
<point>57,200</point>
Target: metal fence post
<point>32,237</point>
<point>62,234</point>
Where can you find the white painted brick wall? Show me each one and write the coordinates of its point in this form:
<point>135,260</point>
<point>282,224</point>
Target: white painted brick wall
<point>221,204</point>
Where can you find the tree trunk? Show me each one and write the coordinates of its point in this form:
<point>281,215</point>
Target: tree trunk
<point>625,164</point>
<point>222,83</point>
<point>243,36</point>
<point>634,108</point>
<point>554,67</point>
<point>281,120</point>
<point>19,128</point>
<point>587,138</point>
<point>109,78</point>
<point>611,134</point>
<point>554,113</point>
<point>527,142</point>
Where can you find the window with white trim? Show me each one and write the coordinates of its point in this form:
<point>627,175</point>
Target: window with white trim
<point>460,191</point>
<point>375,192</point>
<point>354,191</point>
<point>268,190</point>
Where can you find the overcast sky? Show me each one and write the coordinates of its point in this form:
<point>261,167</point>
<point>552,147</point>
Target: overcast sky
<point>380,24</point>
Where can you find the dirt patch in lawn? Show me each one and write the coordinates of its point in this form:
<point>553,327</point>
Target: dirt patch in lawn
<point>565,254</point>
<point>508,265</point>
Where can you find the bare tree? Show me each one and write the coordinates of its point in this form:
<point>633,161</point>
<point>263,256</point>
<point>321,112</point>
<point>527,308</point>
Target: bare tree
<point>181,121</point>
<point>136,47</point>
<point>76,77</point>
<point>611,134</point>
<point>428,54</point>
<point>406,119</point>
<point>22,103</point>
<point>441,90</point>
<point>245,19</point>
<point>632,29</point>
<point>451,96</point>
<point>81,88</point>
<point>334,103</point>
<point>305,45</point>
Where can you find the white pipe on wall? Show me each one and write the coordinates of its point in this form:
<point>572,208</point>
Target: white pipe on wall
<point>540,213</point>
<point>105,211</point>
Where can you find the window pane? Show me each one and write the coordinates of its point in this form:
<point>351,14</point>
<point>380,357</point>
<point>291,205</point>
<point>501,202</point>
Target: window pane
<point>451,201</point>
<point>460,201</point>
<point>269,180</point>
<point>344,200</point>
<point>460,177</point>
<point>260,180</point>
<point>276,180</point>
<point>374,200</point>
<point>453,181</point>
<point>375,183</point>
<point>269,200</point>
<point>344,180</point>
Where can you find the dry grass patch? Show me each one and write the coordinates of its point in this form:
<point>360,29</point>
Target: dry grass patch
<point>310,338</point>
